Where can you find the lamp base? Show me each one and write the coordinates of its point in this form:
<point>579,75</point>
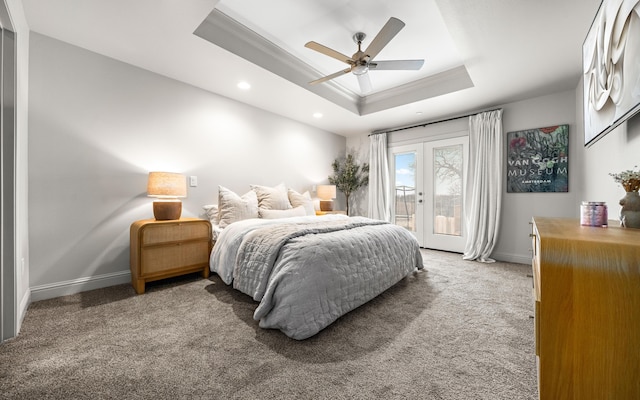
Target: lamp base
<point>167,210</point>
<point>326,205</point>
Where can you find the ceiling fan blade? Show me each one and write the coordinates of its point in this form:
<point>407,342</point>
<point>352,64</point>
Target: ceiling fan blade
<point>396,65</point>
<point>329,52</point>
<point>332,76</point>
<point>388,32</point>
<point>365,83</point>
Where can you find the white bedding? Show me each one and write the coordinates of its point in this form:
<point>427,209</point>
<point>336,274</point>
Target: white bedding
<point>308,271</point>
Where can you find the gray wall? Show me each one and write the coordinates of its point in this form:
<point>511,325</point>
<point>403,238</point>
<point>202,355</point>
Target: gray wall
<point>98,126</point>
<point>518,208</point>
<point>619,150</point>
<point>21,266</point>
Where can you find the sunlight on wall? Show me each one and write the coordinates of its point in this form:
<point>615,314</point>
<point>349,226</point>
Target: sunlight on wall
<point>151,146</point>
<point>309,160</point>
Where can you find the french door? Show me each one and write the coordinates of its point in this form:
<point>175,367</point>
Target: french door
<point>429,181</point>
<point>405,165</point>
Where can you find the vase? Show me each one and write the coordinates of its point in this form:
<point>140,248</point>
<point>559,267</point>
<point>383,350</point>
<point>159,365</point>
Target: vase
<point>630,212</point>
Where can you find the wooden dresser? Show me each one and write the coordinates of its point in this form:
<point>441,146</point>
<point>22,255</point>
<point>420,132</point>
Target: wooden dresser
<point>587,310</point>
<point>162,249</point>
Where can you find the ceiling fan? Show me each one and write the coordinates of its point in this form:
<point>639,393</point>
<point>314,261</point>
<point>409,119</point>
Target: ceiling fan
<point>361,62</point>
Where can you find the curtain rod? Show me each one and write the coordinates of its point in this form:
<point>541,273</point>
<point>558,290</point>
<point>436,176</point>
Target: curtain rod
<point>431,123</point>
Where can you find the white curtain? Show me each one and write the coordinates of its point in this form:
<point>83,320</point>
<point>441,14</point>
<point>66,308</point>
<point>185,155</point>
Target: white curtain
<point>379,186</point>
<point>484,185</point>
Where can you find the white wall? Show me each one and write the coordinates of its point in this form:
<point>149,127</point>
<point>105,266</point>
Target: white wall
<point>514,243</point>
<point>617,151</point>
<point>98,126</point>
<point>518,208</point>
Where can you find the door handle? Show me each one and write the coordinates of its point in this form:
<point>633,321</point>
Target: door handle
<point>420,201</point>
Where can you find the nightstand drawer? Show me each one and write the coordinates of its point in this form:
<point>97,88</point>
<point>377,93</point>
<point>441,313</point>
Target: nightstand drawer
<point>162,258</point>
<point>173,232</point>
<point>162,249</point>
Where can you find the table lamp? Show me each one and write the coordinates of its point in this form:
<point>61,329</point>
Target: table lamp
<point>168,187</point>
<point>326,193</point>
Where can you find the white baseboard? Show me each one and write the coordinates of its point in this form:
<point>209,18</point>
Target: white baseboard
<point>22,308</point>
<point>512,258</point>
<point>65,288</point>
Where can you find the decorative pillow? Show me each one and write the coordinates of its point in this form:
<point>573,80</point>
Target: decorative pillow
<point>272,198</point>
<point>211,211</point>
<point>232,208</point>
<point>296,199</point>
<point>292,212</point>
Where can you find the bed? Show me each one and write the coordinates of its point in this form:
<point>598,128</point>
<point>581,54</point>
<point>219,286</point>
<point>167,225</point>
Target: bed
<point>306,271</point>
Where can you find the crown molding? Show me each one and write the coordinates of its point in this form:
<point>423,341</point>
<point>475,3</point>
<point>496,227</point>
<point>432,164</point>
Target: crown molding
<point>227,33</point>
<point>449,81</point>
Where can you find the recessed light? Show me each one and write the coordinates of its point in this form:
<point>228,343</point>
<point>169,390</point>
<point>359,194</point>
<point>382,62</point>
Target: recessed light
<point>317,115</point>
<point>419,112</point>
<point>244,85</point>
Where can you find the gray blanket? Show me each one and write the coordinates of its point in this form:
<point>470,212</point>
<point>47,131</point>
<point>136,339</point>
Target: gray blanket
<point>259,249</point>
<point>306,272</point>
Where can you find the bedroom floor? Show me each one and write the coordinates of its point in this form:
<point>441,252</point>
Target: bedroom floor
<point>458,330</point>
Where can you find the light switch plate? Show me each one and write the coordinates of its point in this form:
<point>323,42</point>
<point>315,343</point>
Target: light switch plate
<point>193,181</point>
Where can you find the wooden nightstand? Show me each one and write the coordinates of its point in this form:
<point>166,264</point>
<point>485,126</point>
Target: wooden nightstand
<point>162,249</point>
<point>330,212</point>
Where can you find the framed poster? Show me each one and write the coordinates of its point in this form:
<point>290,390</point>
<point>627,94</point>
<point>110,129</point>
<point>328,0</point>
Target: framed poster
<point>538,160</point>
<point>611,68</point>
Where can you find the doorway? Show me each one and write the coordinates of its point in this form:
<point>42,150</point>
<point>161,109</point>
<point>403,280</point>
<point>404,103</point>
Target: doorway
<point>429,180</point>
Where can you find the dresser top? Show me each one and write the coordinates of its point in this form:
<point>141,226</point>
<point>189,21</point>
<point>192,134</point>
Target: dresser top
<point>570,229</point>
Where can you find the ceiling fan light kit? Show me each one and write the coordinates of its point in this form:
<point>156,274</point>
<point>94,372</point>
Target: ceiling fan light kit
<point>362,61</point>
<point>360,69</point>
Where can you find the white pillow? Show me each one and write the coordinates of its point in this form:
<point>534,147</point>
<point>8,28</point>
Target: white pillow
<point>232,208</point>
<point>272,198</point>
<point>211,211</point>
<point>296,199</point>
<point>274,214</point>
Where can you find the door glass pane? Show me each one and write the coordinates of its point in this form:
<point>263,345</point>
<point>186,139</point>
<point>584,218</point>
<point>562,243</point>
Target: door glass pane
<point>405,179</point>
<point>447,174</point>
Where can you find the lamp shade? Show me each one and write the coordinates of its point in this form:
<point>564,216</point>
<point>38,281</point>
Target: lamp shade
<point>166,185</point>
<point>326,192</point>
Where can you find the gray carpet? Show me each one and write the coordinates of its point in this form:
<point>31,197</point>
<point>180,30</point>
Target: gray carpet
<point>459,330</point>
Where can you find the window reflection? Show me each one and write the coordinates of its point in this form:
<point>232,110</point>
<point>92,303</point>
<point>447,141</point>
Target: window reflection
<point>405,192</point>
<point>447,171</point>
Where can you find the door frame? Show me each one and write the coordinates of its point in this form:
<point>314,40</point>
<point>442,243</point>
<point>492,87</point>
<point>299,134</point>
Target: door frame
<point>8,143</point>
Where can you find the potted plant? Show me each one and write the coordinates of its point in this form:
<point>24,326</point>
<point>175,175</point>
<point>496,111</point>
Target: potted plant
<point>630,212</point>
<point>349,175</point>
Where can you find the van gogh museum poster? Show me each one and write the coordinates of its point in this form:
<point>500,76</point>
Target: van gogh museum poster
<point>538,160</point>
